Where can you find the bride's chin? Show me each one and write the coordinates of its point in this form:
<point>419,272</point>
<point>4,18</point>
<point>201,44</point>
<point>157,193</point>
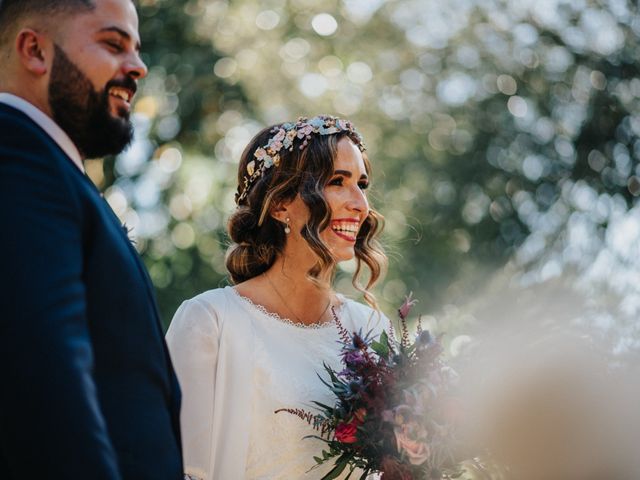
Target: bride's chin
<point>343,256</point>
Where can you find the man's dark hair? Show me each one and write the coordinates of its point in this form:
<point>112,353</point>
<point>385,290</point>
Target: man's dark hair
<point>13,10</point>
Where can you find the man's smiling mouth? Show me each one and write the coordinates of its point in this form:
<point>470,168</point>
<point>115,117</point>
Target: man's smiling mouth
<point>122,93</point>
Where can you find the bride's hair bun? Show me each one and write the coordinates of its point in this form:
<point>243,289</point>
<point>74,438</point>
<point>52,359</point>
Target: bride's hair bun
<point>242,225</point>
<point>254,247</point>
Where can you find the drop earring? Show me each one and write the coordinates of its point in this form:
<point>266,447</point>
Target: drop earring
<point>287,228</point>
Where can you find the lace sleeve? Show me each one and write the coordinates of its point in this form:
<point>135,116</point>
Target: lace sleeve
<point>191,477</point>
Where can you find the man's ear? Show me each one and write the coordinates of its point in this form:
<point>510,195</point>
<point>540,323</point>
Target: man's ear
<point>33,50</point>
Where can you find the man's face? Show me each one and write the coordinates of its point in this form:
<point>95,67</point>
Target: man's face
<point>93,77</point>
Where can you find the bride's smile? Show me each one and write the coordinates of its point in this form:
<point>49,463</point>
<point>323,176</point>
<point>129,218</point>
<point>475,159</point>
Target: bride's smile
<point>346,196</point>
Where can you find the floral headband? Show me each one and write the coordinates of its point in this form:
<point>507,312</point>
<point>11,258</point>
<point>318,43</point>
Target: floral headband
<point>284,137</point>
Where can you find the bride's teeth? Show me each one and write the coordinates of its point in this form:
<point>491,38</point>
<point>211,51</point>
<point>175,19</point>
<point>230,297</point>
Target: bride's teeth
<point>349,228</point>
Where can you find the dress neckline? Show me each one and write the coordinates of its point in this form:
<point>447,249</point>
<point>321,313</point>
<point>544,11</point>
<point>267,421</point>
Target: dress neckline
<point>287,321</point>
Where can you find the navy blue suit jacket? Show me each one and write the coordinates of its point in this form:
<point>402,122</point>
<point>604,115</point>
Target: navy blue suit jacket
<point>87,390</point>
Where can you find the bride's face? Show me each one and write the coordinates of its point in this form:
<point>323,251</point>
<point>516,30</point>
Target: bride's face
<point>345,194</point>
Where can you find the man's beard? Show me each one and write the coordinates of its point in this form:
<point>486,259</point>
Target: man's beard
<point>83,113</point>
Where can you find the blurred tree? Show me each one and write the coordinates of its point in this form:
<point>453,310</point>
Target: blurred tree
<point>157,186</point>
<point>496,127</point>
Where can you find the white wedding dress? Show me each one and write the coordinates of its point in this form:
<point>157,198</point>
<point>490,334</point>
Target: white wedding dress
<point>237,364</point>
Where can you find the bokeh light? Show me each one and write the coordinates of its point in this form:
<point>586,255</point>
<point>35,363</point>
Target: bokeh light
<point>503,135</point>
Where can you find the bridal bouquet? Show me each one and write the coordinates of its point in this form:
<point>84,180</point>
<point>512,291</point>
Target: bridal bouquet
<point>394,412</point>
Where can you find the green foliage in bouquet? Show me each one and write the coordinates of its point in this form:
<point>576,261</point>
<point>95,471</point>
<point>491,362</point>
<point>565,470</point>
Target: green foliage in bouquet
<point>395,412</point>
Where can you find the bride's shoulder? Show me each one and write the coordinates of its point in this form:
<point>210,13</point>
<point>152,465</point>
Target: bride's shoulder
<point>215,297</point>
<point>207,307</point>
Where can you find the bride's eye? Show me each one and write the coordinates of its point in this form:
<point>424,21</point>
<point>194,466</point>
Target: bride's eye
<point>337,181</point>
<point>363,185</point>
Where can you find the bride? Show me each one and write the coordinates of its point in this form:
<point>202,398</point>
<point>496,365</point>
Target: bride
<point>243,352</point>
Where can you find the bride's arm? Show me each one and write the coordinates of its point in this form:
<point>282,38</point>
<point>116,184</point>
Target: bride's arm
<point>193,343</point>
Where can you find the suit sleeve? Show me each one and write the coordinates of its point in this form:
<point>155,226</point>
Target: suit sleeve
<point>193,343</point>
<point>50,420</point>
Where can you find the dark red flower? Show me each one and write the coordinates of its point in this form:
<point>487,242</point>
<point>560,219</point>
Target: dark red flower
<point>346,432</point>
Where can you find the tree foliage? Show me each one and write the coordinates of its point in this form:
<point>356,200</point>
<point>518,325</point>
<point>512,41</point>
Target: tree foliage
<point>496,128</point>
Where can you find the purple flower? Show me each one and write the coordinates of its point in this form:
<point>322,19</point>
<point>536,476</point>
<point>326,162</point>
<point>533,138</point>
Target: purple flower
<point>424,338</point>
<point>353,357</point>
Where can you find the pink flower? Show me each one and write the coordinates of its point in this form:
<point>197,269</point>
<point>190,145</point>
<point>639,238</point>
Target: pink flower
<point>417,452</point>
<point>305,130</point>
<point>405,308</point>
<point>276,145</point>
<point>410,435</point>
<point>280,135</point>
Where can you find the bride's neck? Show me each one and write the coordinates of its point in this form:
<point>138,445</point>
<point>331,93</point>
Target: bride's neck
<point>287,290</point>
<point>292,278</point>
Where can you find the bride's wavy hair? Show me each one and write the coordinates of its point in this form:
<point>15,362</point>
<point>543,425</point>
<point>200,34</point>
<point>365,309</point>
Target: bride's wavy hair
<point>258,238</point>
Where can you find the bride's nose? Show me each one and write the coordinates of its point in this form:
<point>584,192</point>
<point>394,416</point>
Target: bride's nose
<point>358,201</point>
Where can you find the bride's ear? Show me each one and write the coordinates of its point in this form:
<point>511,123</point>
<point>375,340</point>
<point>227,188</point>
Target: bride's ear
<point>281,211</point>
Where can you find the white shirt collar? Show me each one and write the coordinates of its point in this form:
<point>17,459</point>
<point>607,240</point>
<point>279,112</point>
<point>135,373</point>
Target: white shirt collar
<point>47,124</point>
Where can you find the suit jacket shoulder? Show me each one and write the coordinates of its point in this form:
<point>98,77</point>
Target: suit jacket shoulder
<point>82,345</point>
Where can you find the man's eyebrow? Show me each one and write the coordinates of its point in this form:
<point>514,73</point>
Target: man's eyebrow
<point>120,32</point>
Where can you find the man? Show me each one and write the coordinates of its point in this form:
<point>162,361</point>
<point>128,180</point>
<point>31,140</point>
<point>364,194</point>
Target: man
<point>88,390</point>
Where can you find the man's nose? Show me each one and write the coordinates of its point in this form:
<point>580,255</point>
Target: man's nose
<point>135,67</point>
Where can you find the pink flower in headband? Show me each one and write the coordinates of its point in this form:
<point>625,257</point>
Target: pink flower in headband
<point>305,130</point>
<point>279,136</point>
<point>284,137</point>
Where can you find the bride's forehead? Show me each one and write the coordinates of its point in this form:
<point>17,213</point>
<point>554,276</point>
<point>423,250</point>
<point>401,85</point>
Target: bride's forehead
<point>349,157</point>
